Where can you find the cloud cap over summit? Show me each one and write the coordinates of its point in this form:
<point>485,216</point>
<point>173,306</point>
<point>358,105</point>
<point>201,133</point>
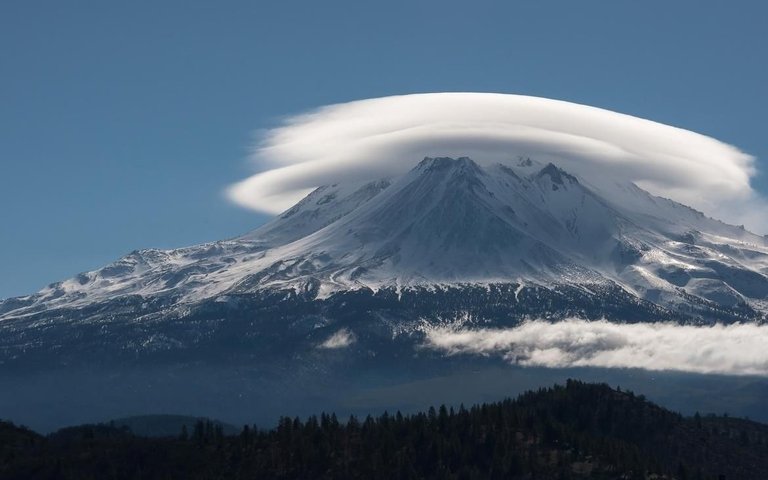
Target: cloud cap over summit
<point>381,137</point>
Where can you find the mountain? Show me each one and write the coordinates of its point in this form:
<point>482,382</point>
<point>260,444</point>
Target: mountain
<point>451,222</point>
<point>347,282</point>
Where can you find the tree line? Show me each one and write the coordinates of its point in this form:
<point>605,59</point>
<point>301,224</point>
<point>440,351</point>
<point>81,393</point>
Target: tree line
<point>578,430</point>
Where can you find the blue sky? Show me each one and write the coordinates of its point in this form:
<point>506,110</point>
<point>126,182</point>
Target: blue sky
<point>122,122</point>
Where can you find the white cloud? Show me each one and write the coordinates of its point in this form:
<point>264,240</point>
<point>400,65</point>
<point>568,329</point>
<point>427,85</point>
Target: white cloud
<point>341,339</point>
<point>379,137</point>
<point>737,349</point>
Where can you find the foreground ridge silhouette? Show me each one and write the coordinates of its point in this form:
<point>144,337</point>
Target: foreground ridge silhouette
<point>579,430</point>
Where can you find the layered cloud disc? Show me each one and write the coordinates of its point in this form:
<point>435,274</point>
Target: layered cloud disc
<point>386,136</point>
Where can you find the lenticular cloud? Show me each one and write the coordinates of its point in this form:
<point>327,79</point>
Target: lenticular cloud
<point>737,349</point>
<point>381,137</point>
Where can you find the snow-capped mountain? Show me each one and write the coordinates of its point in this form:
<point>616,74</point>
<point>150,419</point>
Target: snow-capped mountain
<point>450,239</point>
<point>451,221</point>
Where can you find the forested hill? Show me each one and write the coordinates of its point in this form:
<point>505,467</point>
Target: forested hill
<point>574,431</point>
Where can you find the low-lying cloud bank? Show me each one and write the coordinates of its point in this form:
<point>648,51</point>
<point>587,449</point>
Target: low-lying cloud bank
<point>379,137</point>
<point>738,349</point>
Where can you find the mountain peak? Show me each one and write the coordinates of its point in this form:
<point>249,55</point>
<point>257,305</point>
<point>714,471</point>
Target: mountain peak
<point>524,162</point>
<point>440,163</point>
<point>557,175</point>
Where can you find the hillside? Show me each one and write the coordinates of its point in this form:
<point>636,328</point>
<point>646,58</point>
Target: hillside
<point>574,431</point>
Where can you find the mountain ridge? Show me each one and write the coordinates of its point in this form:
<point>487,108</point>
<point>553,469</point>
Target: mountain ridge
<point>576,430</point>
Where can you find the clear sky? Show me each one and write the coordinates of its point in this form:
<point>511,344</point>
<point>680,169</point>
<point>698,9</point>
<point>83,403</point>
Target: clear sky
<point>122,122</point>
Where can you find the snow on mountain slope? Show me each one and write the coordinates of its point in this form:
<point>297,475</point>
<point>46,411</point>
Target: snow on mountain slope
<point>450,221</point>
<point>323,206</point>
<point>201,271</point>
<point>447,221</point>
